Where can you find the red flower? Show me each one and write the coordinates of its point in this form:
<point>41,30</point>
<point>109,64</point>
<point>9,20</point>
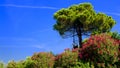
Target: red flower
<point>98,46</point>
<point>80,55</point>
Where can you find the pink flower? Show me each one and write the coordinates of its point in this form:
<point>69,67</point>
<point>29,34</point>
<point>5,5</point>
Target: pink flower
<point>80,55</point>
<point>98,46</point>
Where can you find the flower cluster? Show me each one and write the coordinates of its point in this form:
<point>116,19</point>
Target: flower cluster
<point>99,49</point>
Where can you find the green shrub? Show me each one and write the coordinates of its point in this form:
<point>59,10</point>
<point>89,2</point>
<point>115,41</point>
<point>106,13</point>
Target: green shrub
<point>115,35</point>
<point>1,65</point>
<point>43,60</point>
<point>67,59</point>
<point>13,64</point>
<point>81,64</point>
<point>101,50</point>
<point>29,63</point>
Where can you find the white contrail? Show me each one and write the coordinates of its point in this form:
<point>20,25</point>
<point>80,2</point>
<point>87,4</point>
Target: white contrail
<point>25,6</point>
<point>16,46</point>
<point>47,7</point>
<point>112,13</point>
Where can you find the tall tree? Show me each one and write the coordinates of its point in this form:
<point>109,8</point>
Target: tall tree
<point>82,20</point>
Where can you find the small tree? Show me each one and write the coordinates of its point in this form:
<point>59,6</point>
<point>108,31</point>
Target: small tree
<point>82,20</point>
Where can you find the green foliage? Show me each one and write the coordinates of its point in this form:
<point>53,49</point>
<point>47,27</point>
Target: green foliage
<point>67,59</point>
<point>81,15</point>
<point>81,64</point>
<point>119,56</point>
<point>1,65</point>
<point>100,49</point>
<point>13,64</point>
<point>43,60</point>
<point>117,64</point>
<point>20,64</point>
<point>115,35</point>
<point>29,63</point>
<point>81,19</point>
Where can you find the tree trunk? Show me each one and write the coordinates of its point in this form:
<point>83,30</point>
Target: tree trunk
<point>79,33</point>
<point>78,27</point>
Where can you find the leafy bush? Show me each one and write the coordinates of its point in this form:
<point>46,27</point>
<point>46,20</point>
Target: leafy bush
<point>13,64</point>
<point>81,64</point>
<point>1,65</point>
<point>100,49</point>
<point>29,63</point>
<point>67,59</point>
<point>43,60</point>
<point>115,35</point>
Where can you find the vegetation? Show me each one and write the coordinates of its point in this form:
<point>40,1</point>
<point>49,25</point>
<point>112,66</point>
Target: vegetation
<point>81,20</point>
<point>69,58</point>
<point>100,49</point>
<point>43,60</point>
<point>13,64</point>
<point>1,65</point>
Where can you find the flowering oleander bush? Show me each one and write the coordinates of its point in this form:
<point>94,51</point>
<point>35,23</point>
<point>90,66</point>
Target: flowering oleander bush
<point>116,36</point>
<point>43,60</point>
<point>118,41</point>
<point>100,49</point>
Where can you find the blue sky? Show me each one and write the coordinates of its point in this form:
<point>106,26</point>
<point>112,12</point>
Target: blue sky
<point>26,26</point>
